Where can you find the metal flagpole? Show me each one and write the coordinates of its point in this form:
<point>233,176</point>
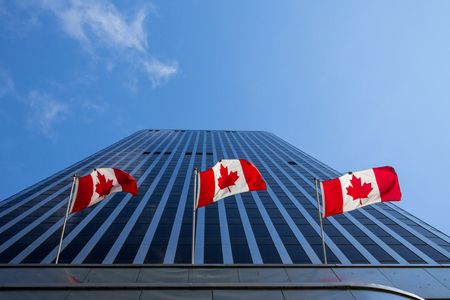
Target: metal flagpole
<point>65,218</point>
<point>194,208</point>
<point>321,225</point>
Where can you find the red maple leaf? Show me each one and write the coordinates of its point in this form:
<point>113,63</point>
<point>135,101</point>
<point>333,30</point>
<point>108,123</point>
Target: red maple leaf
<point>103,186</point>
<point>358,191</point>
<point>226,180</point>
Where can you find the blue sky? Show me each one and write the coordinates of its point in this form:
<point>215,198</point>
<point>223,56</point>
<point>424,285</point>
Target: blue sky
<point>357,84</point>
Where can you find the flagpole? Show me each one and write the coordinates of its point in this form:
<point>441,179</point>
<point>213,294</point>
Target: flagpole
<point>194,208</point>
<point>65,218</point>
<point>321,225</point>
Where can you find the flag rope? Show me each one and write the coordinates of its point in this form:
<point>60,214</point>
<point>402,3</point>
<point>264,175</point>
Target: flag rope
<point>321,225</point>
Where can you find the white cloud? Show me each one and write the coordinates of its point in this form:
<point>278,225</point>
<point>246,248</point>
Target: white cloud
<point>159,72</point>
<point>89,21</point>
<point>101,25</point>
<point>45,113</point>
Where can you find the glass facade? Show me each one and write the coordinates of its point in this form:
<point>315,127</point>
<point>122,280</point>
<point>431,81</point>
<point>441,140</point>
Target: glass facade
<point>279,225</point>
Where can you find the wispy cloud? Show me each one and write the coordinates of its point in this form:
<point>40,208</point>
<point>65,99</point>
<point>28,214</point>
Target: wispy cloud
<point>93,106</point>
<point>114,37</point>
<point>159,72</point>
<point>45,112</point>
<point>89,21</point>
<point>6,83</point>
<point>13,21</point>
<point>101,25</point>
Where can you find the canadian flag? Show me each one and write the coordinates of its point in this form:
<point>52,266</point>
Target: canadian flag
<point>226,178</point>
<point>96,186</point>
<point>358,189</point>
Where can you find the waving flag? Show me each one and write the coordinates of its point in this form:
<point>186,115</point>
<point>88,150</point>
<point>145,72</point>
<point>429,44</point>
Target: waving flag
<point>358,189</point>
<point>228,177</point>
<point>92,188</point>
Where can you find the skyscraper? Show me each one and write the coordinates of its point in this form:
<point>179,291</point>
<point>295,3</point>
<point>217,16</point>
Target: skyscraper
<point>277,226</point>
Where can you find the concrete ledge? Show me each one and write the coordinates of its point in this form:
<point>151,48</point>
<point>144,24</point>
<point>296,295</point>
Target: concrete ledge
<point>408,282</point>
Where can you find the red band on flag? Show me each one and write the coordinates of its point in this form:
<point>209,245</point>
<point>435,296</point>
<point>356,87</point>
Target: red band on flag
<point>387,181</point>
<point>252,176</point>
<point>332,192</point>
<point>206,188</point>
<point>85,189</point>
<point>127,181</point>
